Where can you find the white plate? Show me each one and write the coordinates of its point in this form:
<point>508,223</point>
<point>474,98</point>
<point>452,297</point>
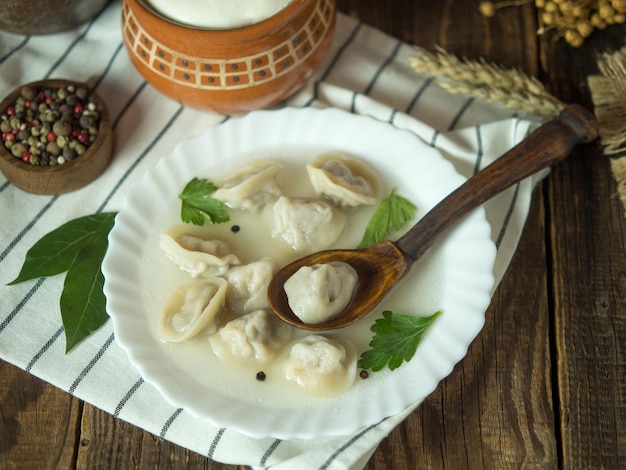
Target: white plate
<point>455,275</point>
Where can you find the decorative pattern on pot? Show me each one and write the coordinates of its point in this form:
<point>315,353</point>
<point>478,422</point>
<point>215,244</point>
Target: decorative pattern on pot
<point>212,77</point>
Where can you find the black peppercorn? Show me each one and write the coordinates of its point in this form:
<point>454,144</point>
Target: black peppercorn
<point>260,376</point>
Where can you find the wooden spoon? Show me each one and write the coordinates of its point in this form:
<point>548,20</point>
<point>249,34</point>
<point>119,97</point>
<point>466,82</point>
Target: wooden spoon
<point>381,266</point>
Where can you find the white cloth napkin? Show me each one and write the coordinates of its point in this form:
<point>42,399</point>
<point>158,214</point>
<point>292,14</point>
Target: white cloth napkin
<point>365,72</point>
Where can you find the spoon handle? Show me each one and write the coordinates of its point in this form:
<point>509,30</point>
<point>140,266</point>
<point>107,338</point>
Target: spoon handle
<point>550,143</point>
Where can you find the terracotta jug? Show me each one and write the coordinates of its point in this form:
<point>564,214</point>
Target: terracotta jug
<point>229,70</point>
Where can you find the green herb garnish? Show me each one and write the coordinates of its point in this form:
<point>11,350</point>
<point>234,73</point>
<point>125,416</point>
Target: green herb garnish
<point>77,247</point>
<point>391,214</point>
<point>395,340</point>
<point>198,206</point>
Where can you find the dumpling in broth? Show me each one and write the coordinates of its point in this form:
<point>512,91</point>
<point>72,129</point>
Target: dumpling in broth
<point>306,224</point>
<point>256,335</point>
<point>247,285</point>
<point>196,255</point>
<point>320,365</point>
<point>193,309</point>
<point>252,187</point>
<point>345,181</point>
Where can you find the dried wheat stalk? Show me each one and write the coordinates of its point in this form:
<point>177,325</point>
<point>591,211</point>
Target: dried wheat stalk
<point>509,88</point>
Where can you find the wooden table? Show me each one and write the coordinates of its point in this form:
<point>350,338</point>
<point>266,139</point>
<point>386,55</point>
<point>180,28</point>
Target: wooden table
<point>543,385</point>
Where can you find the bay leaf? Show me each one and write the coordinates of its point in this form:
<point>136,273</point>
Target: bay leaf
<point>83,303</point>
<point>55,252</point>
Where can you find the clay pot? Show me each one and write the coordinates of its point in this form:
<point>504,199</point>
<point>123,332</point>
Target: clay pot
<point>46,16</point>
<point>229,70</point>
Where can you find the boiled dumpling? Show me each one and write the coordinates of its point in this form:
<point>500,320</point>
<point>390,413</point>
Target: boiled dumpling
<point>307,224</point>
<point>251,187</point>
<point>193,309</point>
<point>345,181</point>
<point>320,292</point>
<point>196,255</point>
<point>320,365</point>
<point>247,285</point>
<point>258,334</point>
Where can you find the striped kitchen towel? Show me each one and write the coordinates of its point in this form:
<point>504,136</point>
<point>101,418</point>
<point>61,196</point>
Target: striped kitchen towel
<point>365,72</point>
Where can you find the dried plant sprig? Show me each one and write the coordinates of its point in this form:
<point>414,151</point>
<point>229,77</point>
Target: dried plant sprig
<point>572,20</point>
<point>494,84</point>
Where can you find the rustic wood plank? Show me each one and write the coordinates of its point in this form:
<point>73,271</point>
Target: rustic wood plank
<point>590,312</point>
<point>517,412</point>
<point>37,422</point>
<point>588,255</point>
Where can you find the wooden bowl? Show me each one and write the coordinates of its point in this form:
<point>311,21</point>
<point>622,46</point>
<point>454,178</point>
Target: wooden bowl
<point>229,71</point>
<point>69,176</point>
<point>46,16</point>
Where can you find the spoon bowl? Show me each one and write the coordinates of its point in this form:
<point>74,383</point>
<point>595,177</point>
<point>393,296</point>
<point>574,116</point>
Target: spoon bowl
<point>382,265</point>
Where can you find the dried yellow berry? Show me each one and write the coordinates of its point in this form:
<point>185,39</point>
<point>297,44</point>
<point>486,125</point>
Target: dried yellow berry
<point>573,38</point>
<point>606,12</point>
<point>487,9</point>
<point>619,5</point>
<point>584,28</point>
<point>566,7</point>
<point>597,21</point>
<point>547,18</point>
<point>580,11</point>
<point>551,7</point>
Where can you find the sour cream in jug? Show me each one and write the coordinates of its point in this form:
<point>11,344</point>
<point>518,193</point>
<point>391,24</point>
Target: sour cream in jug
<point>218,14</point>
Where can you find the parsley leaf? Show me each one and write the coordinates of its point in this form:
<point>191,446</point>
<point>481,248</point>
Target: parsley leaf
<point>391,214</point>
<point>198,206</point>
<point>396,339</point>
